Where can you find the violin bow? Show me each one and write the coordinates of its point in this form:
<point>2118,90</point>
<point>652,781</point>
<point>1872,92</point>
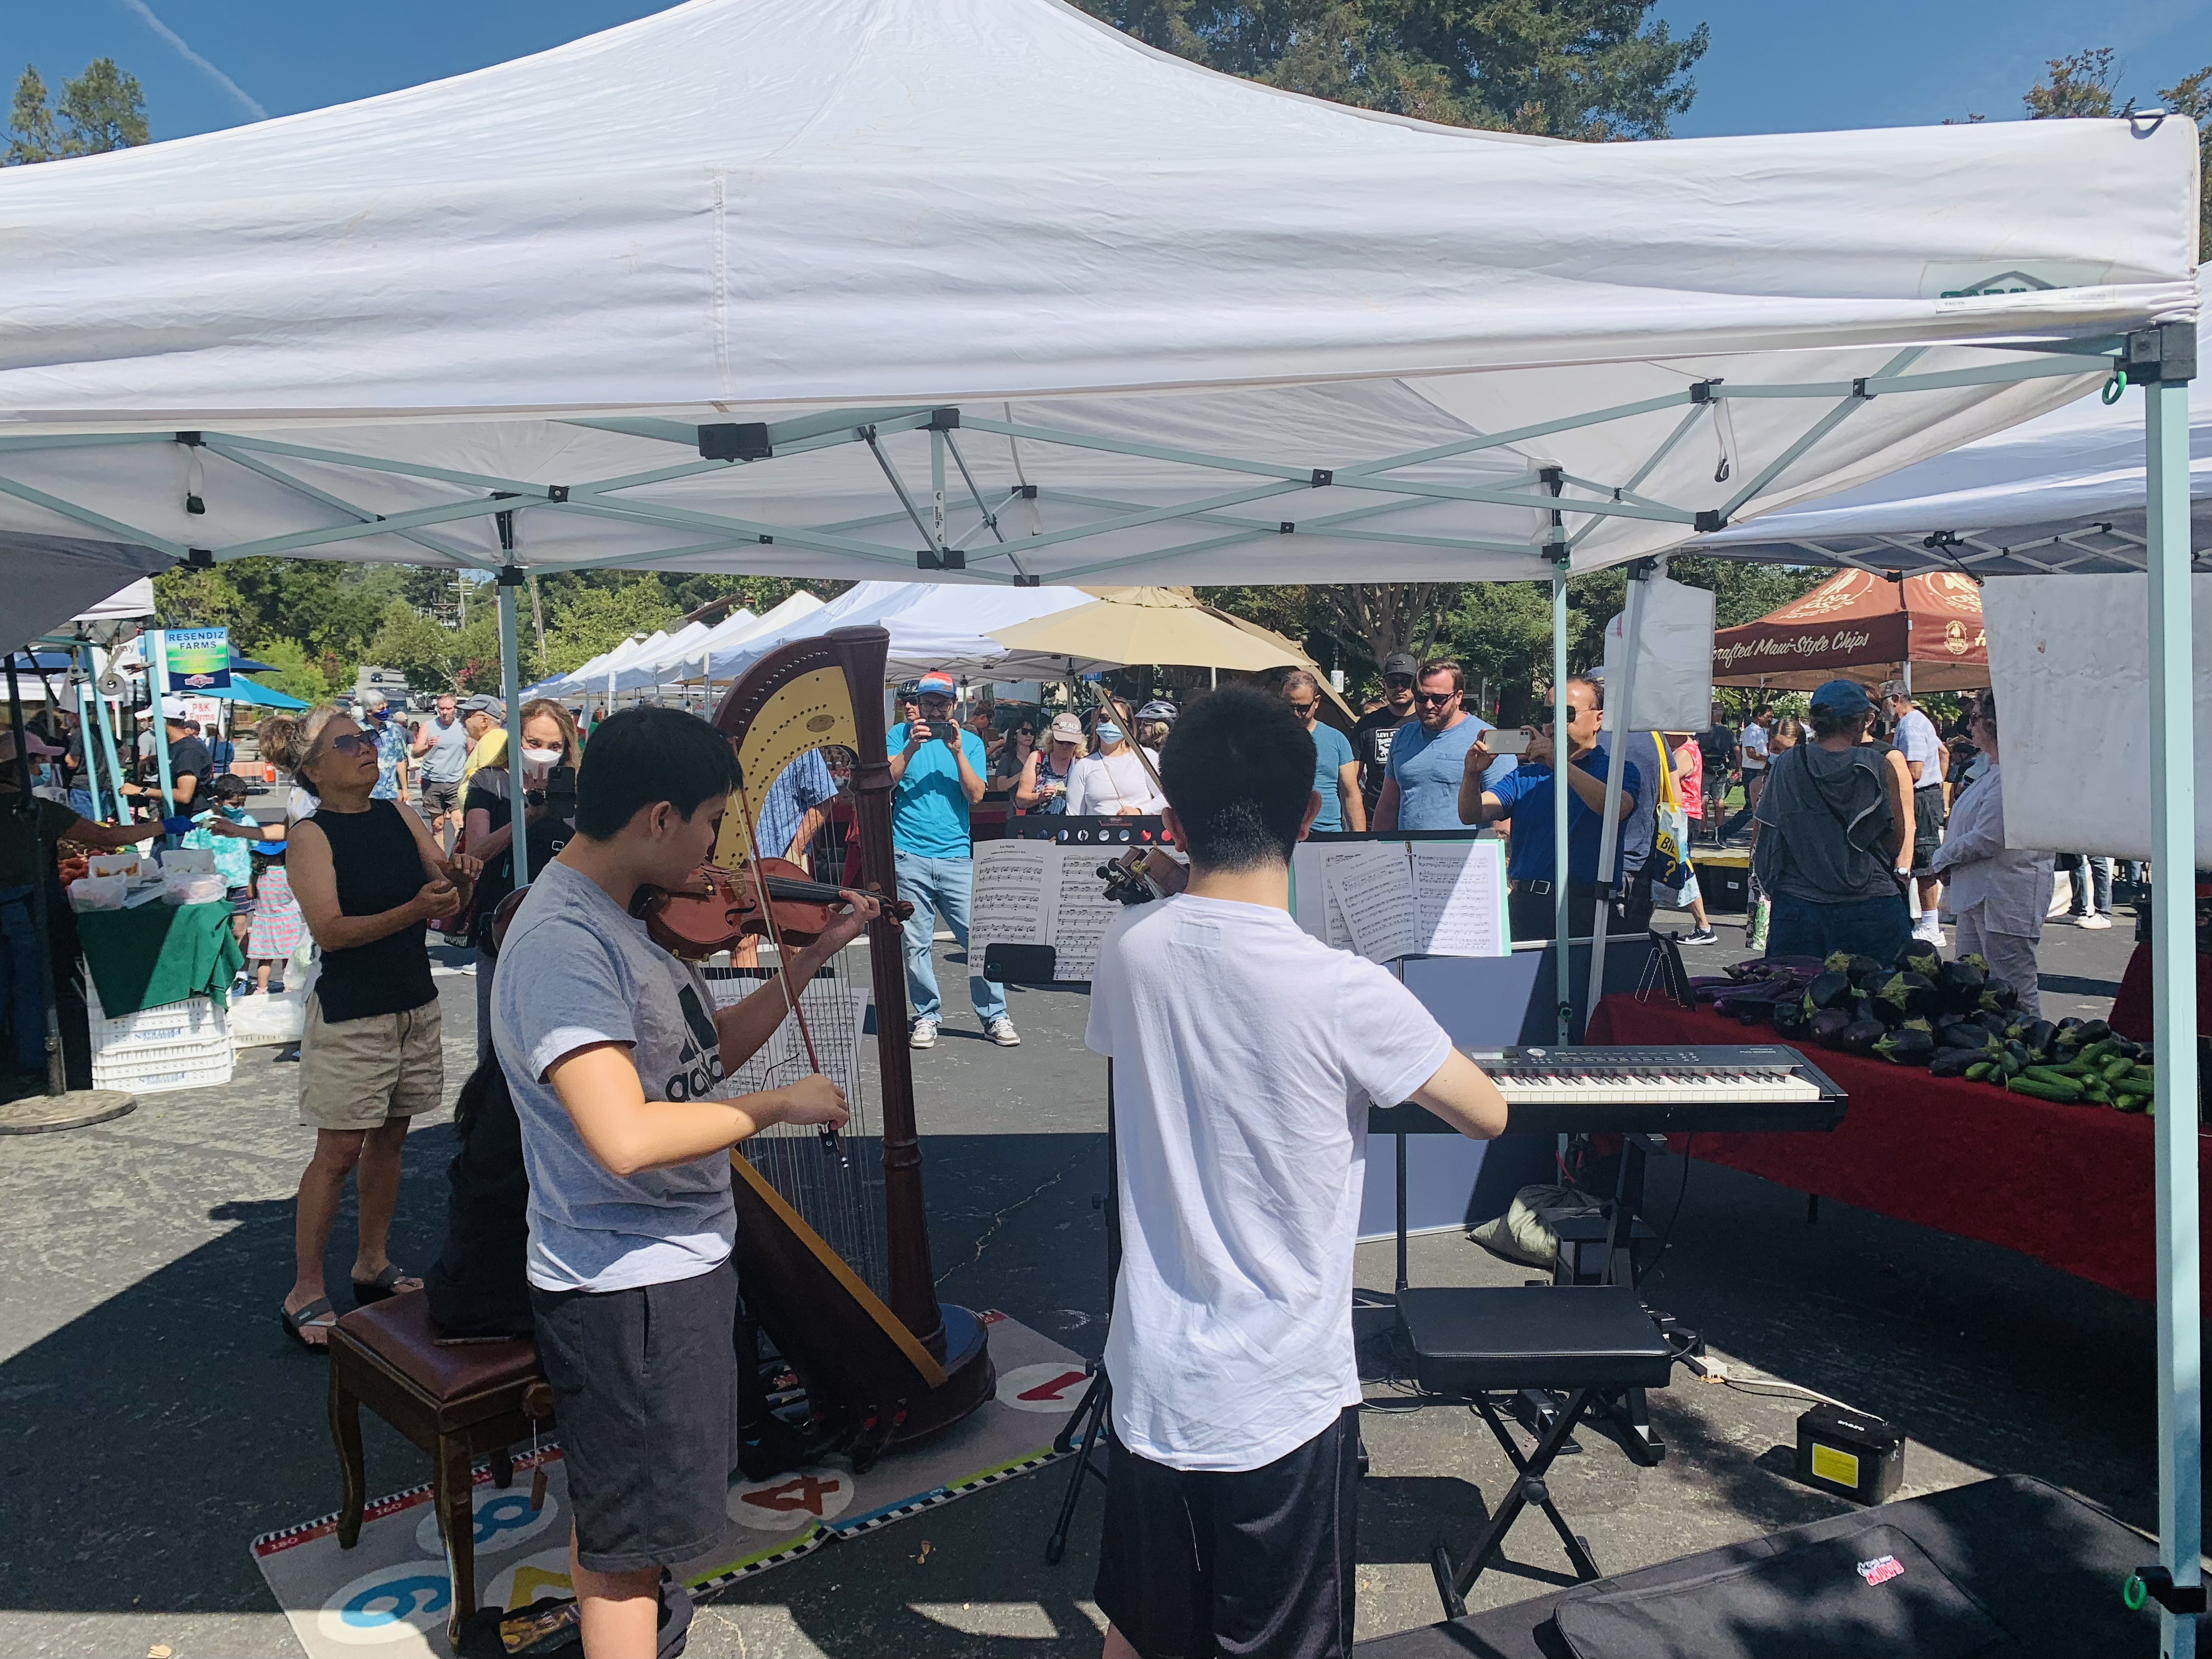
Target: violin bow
<point>794,996</point>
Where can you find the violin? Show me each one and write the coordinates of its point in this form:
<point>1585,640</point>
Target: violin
<point>1144,873</point>
<point>718,907</point>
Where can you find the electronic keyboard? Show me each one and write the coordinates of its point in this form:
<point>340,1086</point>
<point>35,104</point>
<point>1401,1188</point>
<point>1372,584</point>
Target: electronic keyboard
<point>1644,1090</point>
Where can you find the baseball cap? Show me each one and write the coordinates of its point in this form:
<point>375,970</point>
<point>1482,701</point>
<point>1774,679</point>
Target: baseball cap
<point>31,741</point>
<point>172,709</point>
<point>1399,662</point>
<point>1066,728</point>
<point>482,704</point>
<point>935,684</point>
<point>1843,697</point>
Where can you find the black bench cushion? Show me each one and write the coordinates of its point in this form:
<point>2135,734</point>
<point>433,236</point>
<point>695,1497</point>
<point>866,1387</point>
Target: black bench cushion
<point>1466,1341</point>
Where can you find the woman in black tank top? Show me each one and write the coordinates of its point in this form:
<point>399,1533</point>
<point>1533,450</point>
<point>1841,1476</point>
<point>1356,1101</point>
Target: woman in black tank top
<point>368,877</point>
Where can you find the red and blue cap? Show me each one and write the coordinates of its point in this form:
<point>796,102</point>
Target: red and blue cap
<point>936,684</point>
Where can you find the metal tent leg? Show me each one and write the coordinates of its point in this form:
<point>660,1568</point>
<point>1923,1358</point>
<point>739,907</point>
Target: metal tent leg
<point>2174,993</point>
<point>1564,980</point>
<point>510,691</point>
<point>1620,705</point>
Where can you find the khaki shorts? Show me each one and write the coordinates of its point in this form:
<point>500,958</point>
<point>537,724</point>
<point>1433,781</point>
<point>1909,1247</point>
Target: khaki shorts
<point>360,1073</point>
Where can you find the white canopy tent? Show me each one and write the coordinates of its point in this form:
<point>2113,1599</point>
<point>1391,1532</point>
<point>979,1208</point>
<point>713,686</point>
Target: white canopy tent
<point>931,625</point>
<point>691,662</point>
<point>2061,494</point>
<point>982,289</point>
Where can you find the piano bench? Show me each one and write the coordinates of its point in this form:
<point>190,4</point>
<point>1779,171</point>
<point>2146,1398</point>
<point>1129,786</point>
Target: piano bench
<point>1584,1341</point>
<point>455,1401</point>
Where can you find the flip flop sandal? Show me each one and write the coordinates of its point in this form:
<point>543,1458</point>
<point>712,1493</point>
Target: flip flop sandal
<point>318,1314</point>
<point>389,1283</point>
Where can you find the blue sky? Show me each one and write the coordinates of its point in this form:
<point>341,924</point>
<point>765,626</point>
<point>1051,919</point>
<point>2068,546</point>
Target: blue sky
<point>1774,67</point>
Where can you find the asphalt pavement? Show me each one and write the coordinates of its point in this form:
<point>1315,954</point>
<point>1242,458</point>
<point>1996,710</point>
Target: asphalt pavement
<point>157,1419</point>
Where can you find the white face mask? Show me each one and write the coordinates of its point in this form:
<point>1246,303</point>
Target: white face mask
<point>544,757</point>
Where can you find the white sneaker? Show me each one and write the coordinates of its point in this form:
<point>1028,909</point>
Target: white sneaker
<point>2092,920</point>
<point>1001,1031</point>
<point>1930,930</point>
<point>924,1034</point>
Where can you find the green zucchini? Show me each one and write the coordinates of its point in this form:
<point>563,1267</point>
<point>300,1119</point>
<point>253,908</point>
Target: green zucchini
<point>2062,1090</point>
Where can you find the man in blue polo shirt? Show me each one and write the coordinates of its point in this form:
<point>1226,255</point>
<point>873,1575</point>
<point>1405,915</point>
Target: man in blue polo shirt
<point>1524,799</point>
<point>937,775</point>
<point>1420,782</point>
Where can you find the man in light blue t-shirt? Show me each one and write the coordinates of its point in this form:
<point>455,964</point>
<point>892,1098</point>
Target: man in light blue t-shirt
<point>1420,787</point>
<point>937,775</point>
<point>1336,775</point>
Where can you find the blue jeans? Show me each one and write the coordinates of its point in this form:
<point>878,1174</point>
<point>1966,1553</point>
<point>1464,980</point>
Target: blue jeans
<point>939,887</point>
<point>19,989</point>
<point>1876,928</point>
<point>2099,882</point>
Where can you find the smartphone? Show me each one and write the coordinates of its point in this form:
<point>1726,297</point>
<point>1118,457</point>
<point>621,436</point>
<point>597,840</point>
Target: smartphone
<point>1501,741</point>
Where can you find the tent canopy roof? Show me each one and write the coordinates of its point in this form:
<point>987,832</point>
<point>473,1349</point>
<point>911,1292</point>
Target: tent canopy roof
<point>1861,626</point>
<point>1194,329</point>
<point>2063,492</point>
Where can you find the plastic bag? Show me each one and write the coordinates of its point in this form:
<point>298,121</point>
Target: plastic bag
<point>98,892</point>
<point>1520,1234</point>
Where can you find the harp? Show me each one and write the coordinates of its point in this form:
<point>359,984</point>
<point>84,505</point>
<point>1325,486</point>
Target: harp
<point>833,1259</point>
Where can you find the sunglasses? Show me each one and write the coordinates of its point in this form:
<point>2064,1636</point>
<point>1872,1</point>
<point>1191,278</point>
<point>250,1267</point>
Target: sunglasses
<point>1437,696</point>
<point>1398,682</point>
<point>1302,709</point>
<point>352,743</point>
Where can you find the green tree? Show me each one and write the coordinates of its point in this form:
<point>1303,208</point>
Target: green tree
<point>1567,68</point>
<point>99,110</point>
<point>598,619</point>
<point>296,674</point>
<point>2077,87</point>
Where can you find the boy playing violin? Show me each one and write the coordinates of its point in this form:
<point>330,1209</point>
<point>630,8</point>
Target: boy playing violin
<point>611,1048</point>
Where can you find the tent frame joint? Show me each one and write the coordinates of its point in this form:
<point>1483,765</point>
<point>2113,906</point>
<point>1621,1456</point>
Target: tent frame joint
<point>2164,354</point>
<point>512,575</point>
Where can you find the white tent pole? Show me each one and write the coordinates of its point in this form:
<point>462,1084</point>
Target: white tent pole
<point>2173,980</point>
<point>1620,702</point>
<point>510,691</point>
<point>1563,981</point>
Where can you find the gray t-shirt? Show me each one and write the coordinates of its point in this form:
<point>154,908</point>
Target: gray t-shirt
<point>447,757</point>
<point>575,971</point>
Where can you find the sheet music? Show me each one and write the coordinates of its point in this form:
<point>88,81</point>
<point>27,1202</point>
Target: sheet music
<point>1081,912</point>
<point>1459,898</point>
<point>1008,905</point>
<point>1376,892</point>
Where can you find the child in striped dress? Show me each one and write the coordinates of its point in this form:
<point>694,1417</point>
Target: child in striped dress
<point>278,926</point>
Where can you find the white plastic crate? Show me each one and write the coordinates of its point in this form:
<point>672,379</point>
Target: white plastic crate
<point>162,1066</point>
<point>195,1019</point>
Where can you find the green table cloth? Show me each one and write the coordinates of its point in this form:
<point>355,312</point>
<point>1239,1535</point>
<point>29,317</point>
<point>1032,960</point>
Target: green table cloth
<point>158,953</point>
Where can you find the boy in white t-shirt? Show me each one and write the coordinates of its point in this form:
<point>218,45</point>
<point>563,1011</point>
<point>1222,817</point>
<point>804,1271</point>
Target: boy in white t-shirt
<point>1246,1054</point>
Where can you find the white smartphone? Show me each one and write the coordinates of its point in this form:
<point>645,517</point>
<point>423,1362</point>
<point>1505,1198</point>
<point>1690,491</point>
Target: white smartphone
<point>1504,742</point>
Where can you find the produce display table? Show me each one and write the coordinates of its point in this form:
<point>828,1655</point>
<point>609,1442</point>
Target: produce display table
<point>2067,1185</point>
<point>158,953</point>
<point>2131,1011</point>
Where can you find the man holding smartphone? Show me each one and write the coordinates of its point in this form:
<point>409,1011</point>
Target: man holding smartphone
<point>1420,786</point>
<point>1524,797</point>
<point>937,775</point>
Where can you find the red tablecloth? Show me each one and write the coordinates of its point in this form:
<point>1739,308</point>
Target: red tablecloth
<point>2067,1185</point>
<point>2131,1013</point>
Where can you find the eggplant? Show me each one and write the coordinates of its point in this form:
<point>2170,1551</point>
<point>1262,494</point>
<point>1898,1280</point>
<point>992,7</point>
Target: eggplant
<point>1975,960</point>
<point>1999,997</point>
<point>1827,1027</point>
<point>1860,1036</point>
<point>1789,1018</point>
<point>2071,1022</point>
<point>1915,992</point>
<point>1952,1063</point>
<point>1830,990</point>
<point>1952,1032</point>
<point>1866,973</point>
<point>1912,952</point>
<point>1906,1047</point>
<point>1959,984</point>
<point>2039,1035</point>
<point>1838,962</point>
<point>2095,1030</point>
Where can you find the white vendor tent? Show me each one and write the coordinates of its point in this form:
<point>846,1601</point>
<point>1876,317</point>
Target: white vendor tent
<point>911,290</point>
<point>888,287</point>
<point>2061,494</point>
<point>931,625</point>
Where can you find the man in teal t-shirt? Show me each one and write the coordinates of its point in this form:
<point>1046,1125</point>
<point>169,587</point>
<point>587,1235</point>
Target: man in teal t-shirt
<point>937,775</point>
<point>1336,776</point>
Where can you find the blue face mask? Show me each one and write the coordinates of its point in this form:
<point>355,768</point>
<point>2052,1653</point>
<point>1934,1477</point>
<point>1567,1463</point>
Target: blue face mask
<point>1108,733</point>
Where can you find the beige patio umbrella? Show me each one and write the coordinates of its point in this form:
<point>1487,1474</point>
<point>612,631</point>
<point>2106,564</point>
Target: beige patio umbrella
<point>1148,625</point>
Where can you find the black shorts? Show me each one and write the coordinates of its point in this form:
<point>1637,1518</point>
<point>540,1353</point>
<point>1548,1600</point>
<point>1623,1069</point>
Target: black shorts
<point>1260,1564</point>
<point>1927,825</point>
<point>644,1385</point>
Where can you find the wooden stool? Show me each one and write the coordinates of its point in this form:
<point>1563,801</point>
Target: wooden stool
<point>455,1402</point>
